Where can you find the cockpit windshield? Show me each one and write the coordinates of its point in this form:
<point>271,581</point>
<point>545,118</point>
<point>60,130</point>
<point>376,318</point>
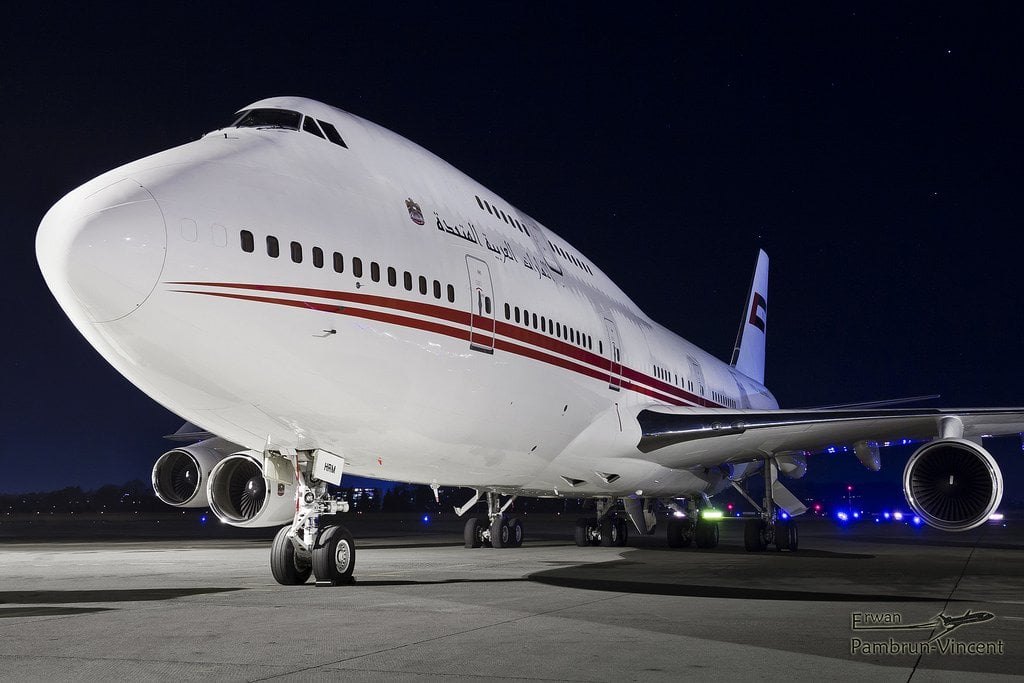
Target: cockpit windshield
<point>269,118</point>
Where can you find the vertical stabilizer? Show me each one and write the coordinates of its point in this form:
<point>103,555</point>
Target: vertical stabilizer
<point>748,355</point>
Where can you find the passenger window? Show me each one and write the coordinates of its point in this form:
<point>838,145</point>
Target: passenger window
<point>248,244</point>
<point>558,329</point>
<point>517,313</point>
<point>451,297</point>
<point>407,280</point>
<point>534,321</point>
<point>392,276</point>
<point>508,316</point>
<point>318,257</point>
<point>273,248</point>
<point>332,133</point>
<point>309,125</point>
<point>374,271</point>
<point>487,303</point>
<point>357,266</point>
<point>543,324</point>
<point>296,252</point>
<point>437,289</point>
<point>526,317</point>
<point>423,285</point>
<point>339,263</point>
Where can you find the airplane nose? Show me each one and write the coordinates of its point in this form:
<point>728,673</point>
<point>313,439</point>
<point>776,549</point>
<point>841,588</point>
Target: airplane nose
<point>106,249</point>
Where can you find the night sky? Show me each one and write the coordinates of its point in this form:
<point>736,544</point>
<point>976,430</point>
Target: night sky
<point>873,150</point>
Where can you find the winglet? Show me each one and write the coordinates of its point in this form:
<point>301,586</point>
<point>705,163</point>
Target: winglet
<point>748,355</point>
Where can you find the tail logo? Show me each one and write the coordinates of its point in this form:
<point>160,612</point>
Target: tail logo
<point>758,312</point>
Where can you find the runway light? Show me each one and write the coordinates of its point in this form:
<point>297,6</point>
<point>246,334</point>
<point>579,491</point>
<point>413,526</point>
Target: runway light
<point>886,515</point>
<point>202,520</point>
<point>784,515</point>
<point>898,516</point>
<point>842,516</point>
<point>711,514</point>
<point>426,519</point>
<point>856,515</point>
<point>917,521</point>
<point>996,516</point>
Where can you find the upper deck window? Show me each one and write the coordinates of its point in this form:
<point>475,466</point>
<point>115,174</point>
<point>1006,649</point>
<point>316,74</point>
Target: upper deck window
<point>270,118</point>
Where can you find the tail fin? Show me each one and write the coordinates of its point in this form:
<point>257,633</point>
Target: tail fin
<point>748,356</point>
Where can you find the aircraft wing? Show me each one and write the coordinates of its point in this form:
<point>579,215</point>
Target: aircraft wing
<point>671,435</point>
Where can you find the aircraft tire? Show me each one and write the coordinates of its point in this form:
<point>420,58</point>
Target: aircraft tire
<point>471,533</point>
<point>680,533</point>
<point>288,569</point>
<point>706,534</point>
<point>500,537</point>
<point>623,534</point>
<point>515,532</point>
<point>609,532</point>
<point>334,556</point>
<point>581,536</point>
<point>753,536</point>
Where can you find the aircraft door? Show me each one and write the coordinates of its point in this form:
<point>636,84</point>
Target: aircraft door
<point>481,306</point>
<point>614,355</point>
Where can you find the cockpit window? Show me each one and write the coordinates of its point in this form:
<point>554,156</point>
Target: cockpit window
<point>309,125</point>
<point>270,118</point>
<point>332,133</point>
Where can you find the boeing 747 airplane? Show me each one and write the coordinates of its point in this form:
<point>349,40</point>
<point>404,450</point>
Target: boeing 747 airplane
<point>315,295</point>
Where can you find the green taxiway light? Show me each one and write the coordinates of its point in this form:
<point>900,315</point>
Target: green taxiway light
<point>711,514</point>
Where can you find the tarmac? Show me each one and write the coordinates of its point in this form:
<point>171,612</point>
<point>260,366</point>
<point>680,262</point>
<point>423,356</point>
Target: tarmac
<point>88,600</point>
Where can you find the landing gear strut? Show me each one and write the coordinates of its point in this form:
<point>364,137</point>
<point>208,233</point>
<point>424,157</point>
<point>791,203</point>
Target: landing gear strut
<point>496,530</point>
<point>313,544</point>
<point>770,528</point>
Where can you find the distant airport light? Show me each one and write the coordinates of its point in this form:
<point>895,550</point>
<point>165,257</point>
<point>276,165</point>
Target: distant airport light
<point>202,520</point>
<point>426,519</point>
<point>785,515</point>
<point>917,521</point>
<point>898,516</point>
<point>842,516</point>
<point>711,514</point>
<point>678,513</point>
<point>996,516</point>
<point>886,515</point>
<point>856,515</point>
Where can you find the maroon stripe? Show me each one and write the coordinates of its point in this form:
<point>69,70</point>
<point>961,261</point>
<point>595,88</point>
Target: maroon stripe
<point>658,388</point>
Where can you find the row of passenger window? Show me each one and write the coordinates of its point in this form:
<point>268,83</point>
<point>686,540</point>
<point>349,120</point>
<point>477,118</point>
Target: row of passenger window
<point>673,378</point>
<point>498,213</point>
<point>569,257</point>
<point>410,282</point>
<point>553,327</point>
<point>722,399</point>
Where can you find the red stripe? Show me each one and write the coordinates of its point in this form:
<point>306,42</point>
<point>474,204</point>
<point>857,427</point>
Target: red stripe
<point>657,388</point>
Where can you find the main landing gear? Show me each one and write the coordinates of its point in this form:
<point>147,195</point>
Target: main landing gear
<point>773,526</point>
<point>692,528</point>
<point>606,529</point>
<point>496,530</point>
<point>314,543</point>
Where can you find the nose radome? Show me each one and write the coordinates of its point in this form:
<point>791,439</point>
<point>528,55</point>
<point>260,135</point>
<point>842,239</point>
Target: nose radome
<point>106,249</point>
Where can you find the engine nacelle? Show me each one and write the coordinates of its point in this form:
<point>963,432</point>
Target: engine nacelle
<point>180,475</point>
<point>953,484</point>
<point>241,496</point>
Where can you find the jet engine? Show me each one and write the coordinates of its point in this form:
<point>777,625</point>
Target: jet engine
<point>180,475</point>
<point>241,496</point>
<point>953,484</point>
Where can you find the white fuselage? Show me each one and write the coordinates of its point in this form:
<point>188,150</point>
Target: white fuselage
<point>476,349</point>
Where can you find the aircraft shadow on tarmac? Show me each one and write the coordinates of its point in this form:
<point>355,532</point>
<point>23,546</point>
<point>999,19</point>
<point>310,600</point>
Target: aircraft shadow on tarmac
<point>595,577</point>
<point>113,595</point>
